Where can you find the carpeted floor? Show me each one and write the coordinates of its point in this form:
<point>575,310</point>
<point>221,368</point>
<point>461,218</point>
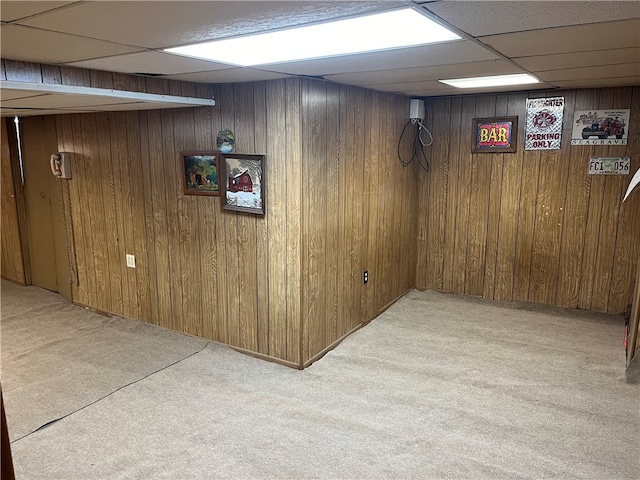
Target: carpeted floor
<point>57,358</point>
<point>439,386</point>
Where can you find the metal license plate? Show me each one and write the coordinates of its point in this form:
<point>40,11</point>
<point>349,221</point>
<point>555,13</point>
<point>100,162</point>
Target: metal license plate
<point>609,165</point>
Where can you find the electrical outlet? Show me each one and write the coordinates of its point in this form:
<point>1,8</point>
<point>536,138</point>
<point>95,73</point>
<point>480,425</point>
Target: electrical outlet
<point>131,261</point>
<point>366,276</point>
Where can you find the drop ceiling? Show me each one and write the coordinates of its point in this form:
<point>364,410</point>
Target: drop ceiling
<point>565,44</point>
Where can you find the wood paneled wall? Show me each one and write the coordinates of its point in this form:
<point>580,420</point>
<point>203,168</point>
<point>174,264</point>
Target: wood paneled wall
<point>633,345</point>
<point>12,266</point>
<point>284,286</point>
<point>532,225</point>
<point>223,276</point>
<point>359,209</point>
<point>528,226</point>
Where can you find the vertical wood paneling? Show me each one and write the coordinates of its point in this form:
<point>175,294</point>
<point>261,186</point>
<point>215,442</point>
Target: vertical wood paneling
<point>207,221</point>
<point>627,245</point>
<point>614,190</point>
<point>20,200</point>
<point>424,197</point>
<point>86,275</point>
<point>229,277</point>
<point>633,346</point>
<point>172,191</point>
<point>334,177</point>
<point>549,232</point>
<point>464,194</point>
<point>262,247</point>
<point>359,209</point>
<point>188,216</point>
<point>12,266</point>
<point>452,195</point>
<point>371,201</point>
<point>495,203</point>
<point>66,144</point>
<point>151,306</point>
<point>113,258</point>
<point>478,213</point>
<point>345,187</point>
<point>276,178</point>
<point>230,228</point>
<point>402,189</point>
<point>92,164</point>
<point>407,247</point>
<point>527,212</point>
<point>52,74</point>
<point>160,233</point>
<point>575,214</point>
<point>247,263</point>
<point>314,177</point>
<point>359,213</point>
<point>549,217</point>
<point>383,279</point>
<point>294,220</point>
<point>594,218</point>
<point>138,236</point>
<point>438,179</point>
<point>22,71</point>
<point>119,152</point>
<point>289,284</point>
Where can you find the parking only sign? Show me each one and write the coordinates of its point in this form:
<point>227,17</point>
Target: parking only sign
<point>544,123</point>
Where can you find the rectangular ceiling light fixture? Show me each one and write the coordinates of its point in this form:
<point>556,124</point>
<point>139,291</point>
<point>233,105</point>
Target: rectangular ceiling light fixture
<point>494,81</point>
<point>368,33</point>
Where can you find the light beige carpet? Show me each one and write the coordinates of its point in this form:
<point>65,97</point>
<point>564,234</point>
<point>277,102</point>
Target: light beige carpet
<point>58,358</point>
<point>439,386</point>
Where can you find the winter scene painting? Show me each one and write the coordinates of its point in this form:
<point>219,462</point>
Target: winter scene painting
<point>244,183</point>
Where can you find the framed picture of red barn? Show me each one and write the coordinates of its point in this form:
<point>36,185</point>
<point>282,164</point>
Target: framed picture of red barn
<point>243,183</point>
<point>200,173</point>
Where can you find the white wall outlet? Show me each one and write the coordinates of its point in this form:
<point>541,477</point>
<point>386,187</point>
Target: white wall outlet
<point>131,261</point>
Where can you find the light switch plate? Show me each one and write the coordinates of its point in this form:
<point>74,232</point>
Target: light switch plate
<point>131,261</point>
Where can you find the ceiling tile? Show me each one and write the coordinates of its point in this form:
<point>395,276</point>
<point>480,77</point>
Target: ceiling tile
<point>228,76</point>
<point>479,18</point>
<point>580,38</point>
<point>607,71</point>
<point>599,82</point>
<point>437,54</point>
<point>580,59</point>
<point>14,10</point>
<point>150,62</point>
<point>35,45</point>
<point>440,72</point>
<point>173,23</point>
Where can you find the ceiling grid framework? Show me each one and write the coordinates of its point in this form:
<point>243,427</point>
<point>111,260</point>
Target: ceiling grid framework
<point>565,44</point>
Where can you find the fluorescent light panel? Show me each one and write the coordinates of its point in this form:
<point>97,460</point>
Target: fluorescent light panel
<point>494,81</point>
<point>380,31</point>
